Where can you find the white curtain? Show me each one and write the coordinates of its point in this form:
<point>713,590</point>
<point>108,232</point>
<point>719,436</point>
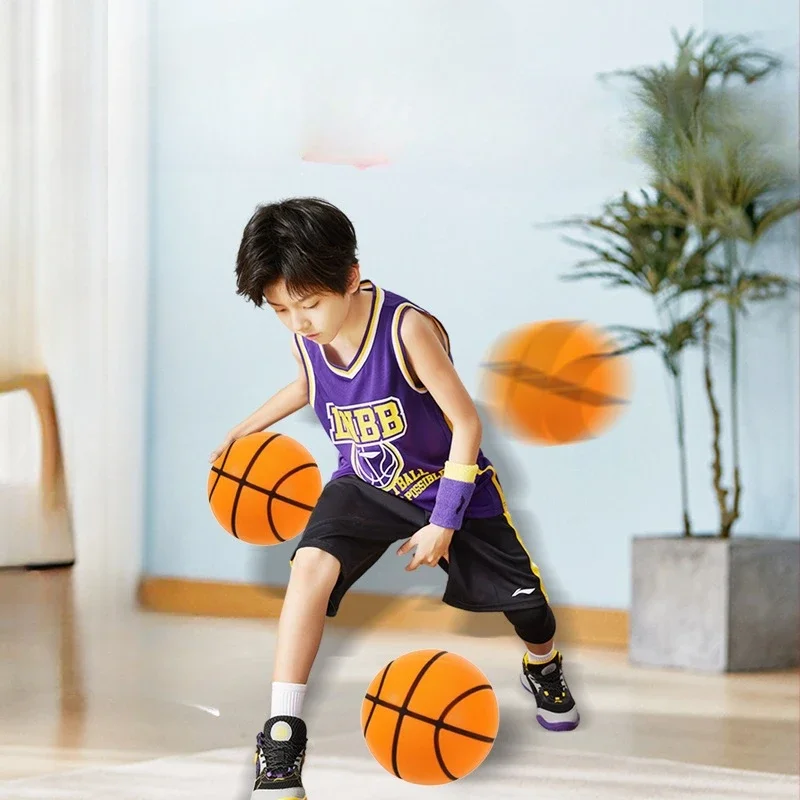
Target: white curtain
<point>19,347</point>
<point>73,77</point>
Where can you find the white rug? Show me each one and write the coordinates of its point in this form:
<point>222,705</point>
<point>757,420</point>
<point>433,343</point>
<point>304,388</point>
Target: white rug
<point>548,775</point>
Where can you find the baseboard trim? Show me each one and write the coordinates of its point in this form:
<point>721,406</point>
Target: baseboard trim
<point>582,626</point>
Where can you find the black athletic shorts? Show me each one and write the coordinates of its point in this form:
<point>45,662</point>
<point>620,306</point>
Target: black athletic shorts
<point>489,568</point>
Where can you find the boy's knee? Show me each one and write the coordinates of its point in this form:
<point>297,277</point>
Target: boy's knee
<point>534,625</point>
<point>311,563</point>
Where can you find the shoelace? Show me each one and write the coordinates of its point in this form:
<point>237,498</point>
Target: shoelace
<point>280,758</point>
<point>553,682</point>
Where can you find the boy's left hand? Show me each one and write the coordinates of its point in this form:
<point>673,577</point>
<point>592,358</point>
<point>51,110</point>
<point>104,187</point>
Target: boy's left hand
<point>432,543</point>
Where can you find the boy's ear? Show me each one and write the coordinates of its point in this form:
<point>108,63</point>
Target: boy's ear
<point>355,278</point>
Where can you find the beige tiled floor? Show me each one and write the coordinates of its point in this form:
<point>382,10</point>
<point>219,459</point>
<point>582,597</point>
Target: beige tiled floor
<point>88,688</point>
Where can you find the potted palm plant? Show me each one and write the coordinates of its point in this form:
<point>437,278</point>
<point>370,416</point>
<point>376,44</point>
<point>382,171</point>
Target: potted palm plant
<point>703,601</point>
<point>646,244</point>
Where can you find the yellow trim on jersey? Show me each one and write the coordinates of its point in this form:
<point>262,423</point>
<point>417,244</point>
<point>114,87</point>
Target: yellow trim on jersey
<point>312,382</point>
<point>398,350</point>
<point>397,346</point>
<point>444,333</point>
<point>507,515</point>
<point>369,338</point>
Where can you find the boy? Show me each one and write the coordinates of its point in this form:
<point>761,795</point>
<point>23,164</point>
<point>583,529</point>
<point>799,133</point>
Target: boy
<point>377,371</point>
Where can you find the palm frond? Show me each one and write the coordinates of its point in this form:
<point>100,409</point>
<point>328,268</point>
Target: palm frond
<point>613,254</point>
<point>669,343</point>
<point>645,243</point>
<point>633,339</point>
<point>612,278</point>
<point>771,216</point>
<point>759,287</point>
<point>697,137</point>
<point>682,334</point>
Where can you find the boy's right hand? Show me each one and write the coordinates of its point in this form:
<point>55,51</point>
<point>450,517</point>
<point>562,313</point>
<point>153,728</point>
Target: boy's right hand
<point>228,441</point>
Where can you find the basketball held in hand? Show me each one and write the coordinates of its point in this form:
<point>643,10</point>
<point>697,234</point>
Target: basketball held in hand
<point>556,382</point>
<point>430,717</point>
<point>263,487</point>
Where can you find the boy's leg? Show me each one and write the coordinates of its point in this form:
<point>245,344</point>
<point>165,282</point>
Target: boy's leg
<point>300,627</point>
<point>490,569</point>
<point>542,668</point>
<point>281,746</point>
<point>349,530</point>
<point>314,574</point>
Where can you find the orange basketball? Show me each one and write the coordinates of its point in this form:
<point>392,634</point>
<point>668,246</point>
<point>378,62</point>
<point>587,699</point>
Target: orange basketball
<point>430,717</point>
<point>556,382</point>
<point>263,488</point>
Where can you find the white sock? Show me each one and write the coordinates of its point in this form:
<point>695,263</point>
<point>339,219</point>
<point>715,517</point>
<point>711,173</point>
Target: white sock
<point>287,699</point>
<point>534,659</point>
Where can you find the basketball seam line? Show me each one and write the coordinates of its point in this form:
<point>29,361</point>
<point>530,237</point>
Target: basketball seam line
<point>274,493</point>
<point>440,726</point>
<point>516,372</point>
<point>262,490</point>
<point>403,710</point>
<point>438,723</point>
<point>219,471</point>
<point>245,473</point>
<point>523,374</point>
<point>377,695</point>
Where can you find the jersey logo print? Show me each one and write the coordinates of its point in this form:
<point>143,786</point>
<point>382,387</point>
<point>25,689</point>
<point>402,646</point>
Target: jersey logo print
<point>370,428</point>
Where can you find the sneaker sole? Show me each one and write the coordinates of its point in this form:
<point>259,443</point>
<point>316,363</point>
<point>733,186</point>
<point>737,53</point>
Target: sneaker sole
<point>568,725</point>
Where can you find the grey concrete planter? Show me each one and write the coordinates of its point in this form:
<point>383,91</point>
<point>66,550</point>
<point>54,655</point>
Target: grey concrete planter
<point>718,605</point>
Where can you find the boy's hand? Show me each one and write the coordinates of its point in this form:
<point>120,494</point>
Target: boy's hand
<point>229,439</point>
<point>432,543</point>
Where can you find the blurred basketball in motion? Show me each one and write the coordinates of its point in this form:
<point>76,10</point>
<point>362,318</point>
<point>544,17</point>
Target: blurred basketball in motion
<point>263,488</point>
<point>556,382</point>
<point>430,717</point>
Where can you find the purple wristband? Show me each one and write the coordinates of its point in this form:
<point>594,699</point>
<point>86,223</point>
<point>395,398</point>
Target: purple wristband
<point>452,500</point>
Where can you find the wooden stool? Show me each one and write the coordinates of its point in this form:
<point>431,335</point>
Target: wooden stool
<point>45,519</point>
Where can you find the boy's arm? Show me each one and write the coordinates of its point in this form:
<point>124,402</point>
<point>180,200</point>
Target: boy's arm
<point>432,367</point>
<point>291,398</point>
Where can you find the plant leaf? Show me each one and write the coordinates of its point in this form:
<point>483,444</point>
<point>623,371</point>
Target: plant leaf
<point>772,216</point>
<point>648,245</point>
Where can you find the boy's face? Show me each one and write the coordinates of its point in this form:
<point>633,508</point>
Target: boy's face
<point>318,317</point>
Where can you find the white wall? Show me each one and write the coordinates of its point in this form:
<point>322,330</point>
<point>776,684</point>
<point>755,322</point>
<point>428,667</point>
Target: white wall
<point>493,121</point>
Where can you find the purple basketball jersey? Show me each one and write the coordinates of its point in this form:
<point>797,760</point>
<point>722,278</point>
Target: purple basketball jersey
<point>389,431</point>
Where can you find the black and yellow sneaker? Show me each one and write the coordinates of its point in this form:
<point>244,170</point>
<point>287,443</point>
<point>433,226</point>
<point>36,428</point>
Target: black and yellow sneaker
<point>280,752</point>
<point>546,682</point>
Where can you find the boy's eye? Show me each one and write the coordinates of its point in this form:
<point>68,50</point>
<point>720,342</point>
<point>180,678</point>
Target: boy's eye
<point>313,305</point>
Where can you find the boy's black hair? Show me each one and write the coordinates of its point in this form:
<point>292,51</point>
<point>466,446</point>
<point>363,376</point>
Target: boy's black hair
<point>305,241</point>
